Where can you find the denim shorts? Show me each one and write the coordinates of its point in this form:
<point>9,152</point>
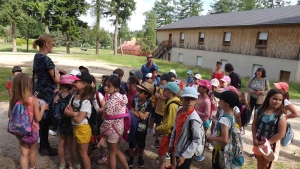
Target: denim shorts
<point>67,130</point>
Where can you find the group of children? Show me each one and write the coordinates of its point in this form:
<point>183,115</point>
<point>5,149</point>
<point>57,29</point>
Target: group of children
<point>159,105</point>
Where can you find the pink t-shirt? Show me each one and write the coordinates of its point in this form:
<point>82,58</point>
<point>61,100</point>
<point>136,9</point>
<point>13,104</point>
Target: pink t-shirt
<point>35,125</point>
<point>203,108</point>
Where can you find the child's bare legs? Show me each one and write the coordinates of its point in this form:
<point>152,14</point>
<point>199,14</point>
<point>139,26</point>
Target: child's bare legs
<point>61,148</point>
<point>102,150</point>
<point>83,156</point>
<point>151,125</point>
<point>70,147</point>
<point>113,153</point>
<point>162,162</point>
<point>262,163</point>
<point>27,151</point>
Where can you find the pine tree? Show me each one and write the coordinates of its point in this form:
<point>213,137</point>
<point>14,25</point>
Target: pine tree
<point>164,11</point>
<point>187,8</point>
<point>223,6</point>
<point>148,35</point>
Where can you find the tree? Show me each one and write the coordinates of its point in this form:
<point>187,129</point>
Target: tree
<point>246,5</point>
<point>222,6</point>
<point>105,39</point>
<point>124,35</point>
<point>148,36</point>
<point>65,18</point>
<point>263,4</point>
<point>122,10</point>
<point>12,13</point>
<point>30,29</point>
<point>164,11</point>
<point>97,8</point>
<point>187,8</point>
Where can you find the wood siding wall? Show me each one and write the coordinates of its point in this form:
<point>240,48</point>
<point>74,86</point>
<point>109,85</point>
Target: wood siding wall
<point>283,40</point>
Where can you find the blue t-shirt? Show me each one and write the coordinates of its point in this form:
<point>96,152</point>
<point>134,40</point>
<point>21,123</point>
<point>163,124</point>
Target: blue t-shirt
<point>190,80</point>
<point>156,81</point>
<point>45,85</point>
<point>146,69</point>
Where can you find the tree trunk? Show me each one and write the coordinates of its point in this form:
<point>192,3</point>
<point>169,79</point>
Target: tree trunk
<point>116,36</point>
<point>68,44</point>
<point>13,33</point>
<point>121,47</point>
<point>98,17</point>
<point>47,28</point>
<point>27,39</point>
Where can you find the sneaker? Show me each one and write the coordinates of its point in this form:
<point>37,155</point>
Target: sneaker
<point>141,163</point>
<point>200,158</point>
<point>48,151</point>
<point>210,147</point>
<point>130,163</point>
<point>102,159</point>
<point>156,144</point>
<point>167,156</point>
<point>62,166</point>
<point>52,133</point>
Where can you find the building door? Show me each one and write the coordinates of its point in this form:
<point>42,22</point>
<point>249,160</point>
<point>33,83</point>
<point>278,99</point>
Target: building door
<point>199,60</point>
<point>255,67</point>
<point>180,57</point>
<point>169,57</point>
<point>284,76</point>
<point>224,62</point>
<point>170,37</point>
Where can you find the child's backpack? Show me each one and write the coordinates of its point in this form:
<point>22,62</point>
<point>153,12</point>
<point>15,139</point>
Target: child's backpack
<point>59,109</point>
<point>127,123</point>
<point>19,123</point>
<point>245,115</point>
<point>232,157</point>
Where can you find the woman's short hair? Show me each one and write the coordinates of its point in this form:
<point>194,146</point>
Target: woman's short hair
<point>229,67</point>
<point>219,63</point>
<point>263,72</point>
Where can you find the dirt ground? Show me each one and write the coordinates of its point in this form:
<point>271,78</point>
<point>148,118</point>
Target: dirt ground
<point>9,150</point>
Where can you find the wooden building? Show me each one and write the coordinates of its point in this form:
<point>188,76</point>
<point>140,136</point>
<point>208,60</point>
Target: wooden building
<point>268,38</point>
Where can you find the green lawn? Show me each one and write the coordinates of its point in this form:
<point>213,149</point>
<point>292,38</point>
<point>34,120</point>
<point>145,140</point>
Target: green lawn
<point>136,62</point>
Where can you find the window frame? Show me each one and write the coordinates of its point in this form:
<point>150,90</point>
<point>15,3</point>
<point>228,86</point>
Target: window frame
<point>261,43</point>
<point>226,43</point>
<point>201,40</point>
<point>180,38</point>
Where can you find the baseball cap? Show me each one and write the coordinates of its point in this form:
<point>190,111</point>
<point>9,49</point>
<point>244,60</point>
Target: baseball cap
<point>205,83</point>
<point>154,68</point>
<point>165,77</point>
<point>66,79</point>
<point>131,72</point>
<point>138,74</point>
<point>149,88</point>
<point>83,76</point>
<point>171,86</point>
<point>229,97</point>
<point>198,76</point>
<point>74,72</point>
<point>231,88</point>
<point>149,75</point>
<point>172,75</point>
<point>16,69</point>
<point>189,72</point>
<point>173,71</point>
<point>226,79</point>
<point>282,85</point>
<point>84,68</point>
<point>215,82</point>
<point>189,92</point>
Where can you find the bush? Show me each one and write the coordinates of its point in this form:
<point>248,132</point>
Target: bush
<point>19,42</point>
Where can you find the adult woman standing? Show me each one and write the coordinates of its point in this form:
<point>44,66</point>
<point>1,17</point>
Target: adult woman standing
<point>46,78</point>
<point>218,73</point>
<point>257,87</point>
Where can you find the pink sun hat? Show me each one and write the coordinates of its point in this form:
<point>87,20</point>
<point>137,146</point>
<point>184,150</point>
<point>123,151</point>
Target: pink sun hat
<point>66,79</point>
<point>226,79</point>
<point>205,83</point>
<point>282,85</point>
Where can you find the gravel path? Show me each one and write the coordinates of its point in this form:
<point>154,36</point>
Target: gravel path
<point>9,150</point>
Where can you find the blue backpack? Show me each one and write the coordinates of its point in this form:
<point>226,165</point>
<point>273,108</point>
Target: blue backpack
<point>19,123</point>
<point>59,109</point>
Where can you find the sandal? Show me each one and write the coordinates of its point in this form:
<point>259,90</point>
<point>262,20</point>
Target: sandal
<point>102,159</point>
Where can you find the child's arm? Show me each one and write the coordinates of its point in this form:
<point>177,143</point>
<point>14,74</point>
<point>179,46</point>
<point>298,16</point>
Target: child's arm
<point>101,108</point>
<point>254,128</point>
<point>136,114</point>
<point>281,131</point>
<point>223,138</point>
<point>70,112</point>
<point>238,119</point>
<point>38,113</point>
<point>86,108</point>
<point>293,110</point>
<point>81,116</point>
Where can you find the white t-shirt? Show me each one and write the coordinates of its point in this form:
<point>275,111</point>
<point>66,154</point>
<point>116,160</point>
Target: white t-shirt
<point>85,107</point>
<point>95,103</point>
<point>226,122</point>
<point>236,111</point>
<point>287,102</point>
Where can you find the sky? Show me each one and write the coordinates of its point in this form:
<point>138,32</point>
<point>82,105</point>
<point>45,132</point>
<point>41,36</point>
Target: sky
<point>137,19</point>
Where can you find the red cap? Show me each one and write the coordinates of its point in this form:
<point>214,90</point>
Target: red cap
<point>205,83</point>
<point>282,85</point>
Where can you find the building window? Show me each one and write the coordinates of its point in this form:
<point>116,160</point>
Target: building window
<point>262,39</point>
<point>227,37</point>
<point>180,57</point>
<point>224,62</point>
<point>201,37</point>
<point>181,37</point>
<point>199,60</point>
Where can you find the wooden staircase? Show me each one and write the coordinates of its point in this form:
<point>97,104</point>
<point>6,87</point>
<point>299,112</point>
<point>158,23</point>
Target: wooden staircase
<point>162,48</point>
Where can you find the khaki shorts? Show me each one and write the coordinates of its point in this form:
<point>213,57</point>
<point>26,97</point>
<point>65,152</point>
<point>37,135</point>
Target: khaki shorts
<point>114,137</point>
<point>82,133</point>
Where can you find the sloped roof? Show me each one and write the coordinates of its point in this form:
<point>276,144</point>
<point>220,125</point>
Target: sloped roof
<point>272,16</point>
